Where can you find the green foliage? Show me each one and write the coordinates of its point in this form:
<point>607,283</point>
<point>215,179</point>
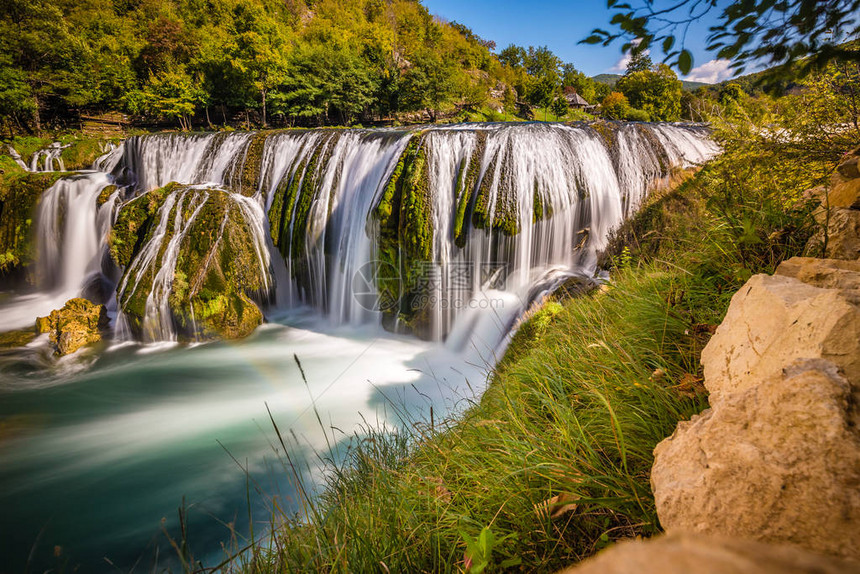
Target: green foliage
<point>636,115</point>
<point>794,37</point>
<point>615,106</point>
<point>655,91</point>
<point>20,193</point>
<point>311,63</point>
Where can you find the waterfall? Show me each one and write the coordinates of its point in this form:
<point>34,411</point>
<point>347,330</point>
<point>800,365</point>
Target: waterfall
<point>446,232</point>
<point>70,234</point>
<point>151,162</point>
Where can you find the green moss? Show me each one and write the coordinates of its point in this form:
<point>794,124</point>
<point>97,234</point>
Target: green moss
<point>134,224</point>
<point>466,202</point>
<point>216,269</point>
<point>105,195</point>
<point>606,131</point>
<point>81,153</point>
<point>20,194</point>
<point>252,165</point>
<point>404,216</point>
<point>13,339</point>
<point>504,206</point>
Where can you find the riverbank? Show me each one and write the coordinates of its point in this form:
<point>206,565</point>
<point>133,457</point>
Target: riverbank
<point>553,463</point>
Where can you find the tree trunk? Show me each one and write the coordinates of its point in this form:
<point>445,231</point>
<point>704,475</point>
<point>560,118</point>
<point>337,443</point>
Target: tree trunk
<point>224,114</point>
<point>208,121</point>
<point>36,116</point>
<point>263,93</point>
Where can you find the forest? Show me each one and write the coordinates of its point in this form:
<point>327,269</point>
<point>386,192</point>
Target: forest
<point>261,63</point>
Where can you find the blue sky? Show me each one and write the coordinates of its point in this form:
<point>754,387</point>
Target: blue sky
<point>560,25</point>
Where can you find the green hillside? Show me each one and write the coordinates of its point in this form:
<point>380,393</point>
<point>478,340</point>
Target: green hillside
<point>611,79</point>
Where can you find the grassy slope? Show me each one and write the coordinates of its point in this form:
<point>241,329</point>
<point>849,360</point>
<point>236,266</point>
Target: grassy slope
<point>553,463</point>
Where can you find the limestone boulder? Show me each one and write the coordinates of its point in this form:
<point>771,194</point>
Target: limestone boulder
<point>839,237</point>
<point>77,324</point>
<point>691,554</point>
<point>798,313</point>
<point>777,457</point>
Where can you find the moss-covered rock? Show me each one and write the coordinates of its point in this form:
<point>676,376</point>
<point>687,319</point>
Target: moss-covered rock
<point>404,215</point>
<point>12,339</point>
<point>217,268</point>
<point>249,181</point>
<point>77,324</point>
<point>105,195</point>
<point>292,202</point>
<point>20,193</point>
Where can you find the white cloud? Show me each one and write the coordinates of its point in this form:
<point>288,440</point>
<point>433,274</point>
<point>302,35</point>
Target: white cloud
<point>711,72</point>
<point>621,65</point>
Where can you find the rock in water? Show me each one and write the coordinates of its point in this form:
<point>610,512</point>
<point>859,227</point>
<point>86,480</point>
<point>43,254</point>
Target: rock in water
<point>691,554</point>
<point>77,324</point>
<point>777,457</point>
<point>192,256</point>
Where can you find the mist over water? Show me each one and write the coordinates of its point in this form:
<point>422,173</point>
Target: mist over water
<point>98,447</point>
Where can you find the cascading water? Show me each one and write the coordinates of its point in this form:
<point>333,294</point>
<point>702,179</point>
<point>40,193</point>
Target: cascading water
<point>463,225</point>
<point>71,240</point>
<point>523,205</point>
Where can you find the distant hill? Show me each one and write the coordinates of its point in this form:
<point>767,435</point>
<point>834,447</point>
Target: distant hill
<point>610,79</point>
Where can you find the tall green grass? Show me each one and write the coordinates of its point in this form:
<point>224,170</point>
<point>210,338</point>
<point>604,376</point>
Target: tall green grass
<point>552,464</point>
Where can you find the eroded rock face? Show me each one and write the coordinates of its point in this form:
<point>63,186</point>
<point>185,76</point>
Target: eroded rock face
<point>191,257</point>
<point>77,324</point>
<point>840,214</point>
<point>777,457</point>
<point>693,554</point>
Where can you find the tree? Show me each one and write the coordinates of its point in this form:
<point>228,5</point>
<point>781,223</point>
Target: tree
<point>585,86</point>
<point>615,106</point>
<point>260,50</point>
<point>640,61</point>
<point>560,106</point>
<point>795,37</point>
<point>171,95</point>
<point>513,56</point>
<point>657,92</point>
<point>16,99</point>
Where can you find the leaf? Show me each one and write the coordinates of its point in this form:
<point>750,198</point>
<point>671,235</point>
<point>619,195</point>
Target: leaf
<point>685,61</point>
<point>668,43</point>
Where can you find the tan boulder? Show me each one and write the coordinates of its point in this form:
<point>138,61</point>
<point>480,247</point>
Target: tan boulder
<point>691,554</point>
<point>843,235</point>
<point>777,457</point>
<point>839,213</point>
<point>775,320</point>
<point>778,462</point>
<point>77,324</point>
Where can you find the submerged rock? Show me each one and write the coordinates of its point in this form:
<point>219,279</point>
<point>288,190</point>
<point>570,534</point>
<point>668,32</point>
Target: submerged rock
<point>192,256</point>
<point>691,554</point>
<point>777,457</point>
<point>77,324</point>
